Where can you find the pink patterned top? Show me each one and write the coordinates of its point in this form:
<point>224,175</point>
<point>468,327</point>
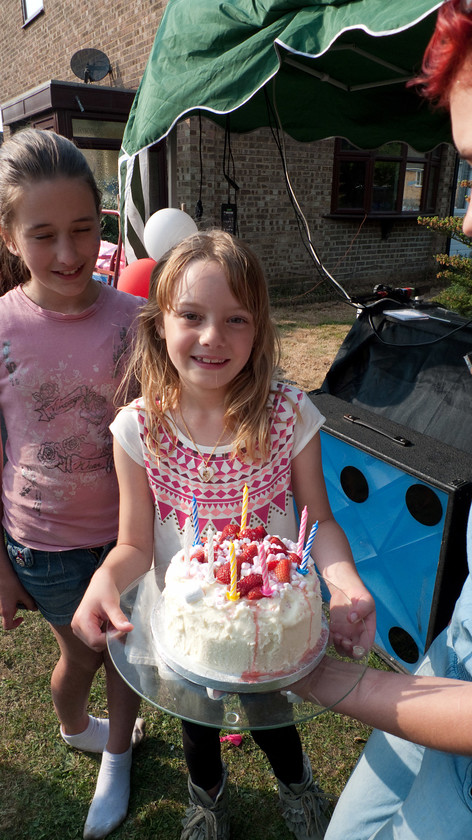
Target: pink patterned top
<point>58,378</point>
<point>176,479</point>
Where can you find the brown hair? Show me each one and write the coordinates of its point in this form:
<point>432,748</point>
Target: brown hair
<point>30,156</point>
<point>246,404</point>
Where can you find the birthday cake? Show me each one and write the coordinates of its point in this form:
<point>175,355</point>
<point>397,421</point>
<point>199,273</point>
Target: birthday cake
<point>242,603</point>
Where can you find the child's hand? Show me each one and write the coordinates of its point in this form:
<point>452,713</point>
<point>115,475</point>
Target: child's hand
<point>99,606</point>
<point>13,597</point>
<point>90,623</point>
<point>352,622</point>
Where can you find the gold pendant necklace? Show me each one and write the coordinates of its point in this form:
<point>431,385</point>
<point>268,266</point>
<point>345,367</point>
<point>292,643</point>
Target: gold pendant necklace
<point>205,472</point>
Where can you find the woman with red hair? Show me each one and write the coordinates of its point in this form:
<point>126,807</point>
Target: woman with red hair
<point>448,55</point>
<point>400,790</point>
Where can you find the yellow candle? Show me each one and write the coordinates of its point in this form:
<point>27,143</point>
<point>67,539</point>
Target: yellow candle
<point>244,510</point>
<point>233,593</point>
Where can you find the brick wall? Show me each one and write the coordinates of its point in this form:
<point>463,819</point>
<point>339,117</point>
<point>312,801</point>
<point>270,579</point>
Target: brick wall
<point>42,50</point>
<point>358,254</point>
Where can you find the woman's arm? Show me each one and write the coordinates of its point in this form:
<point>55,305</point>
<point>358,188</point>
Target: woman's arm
<point>131,557</point>
<point>352,618</point>
<point>433,711</point>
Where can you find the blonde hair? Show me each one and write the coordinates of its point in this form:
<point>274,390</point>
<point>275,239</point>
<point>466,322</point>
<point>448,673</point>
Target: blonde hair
<point>246,409</point>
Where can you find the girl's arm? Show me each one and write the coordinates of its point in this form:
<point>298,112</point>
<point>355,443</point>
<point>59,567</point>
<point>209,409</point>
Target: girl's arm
<point>333,556</point>
<point>12,593</point>
<point>130,559</point>
<point>433,711</point>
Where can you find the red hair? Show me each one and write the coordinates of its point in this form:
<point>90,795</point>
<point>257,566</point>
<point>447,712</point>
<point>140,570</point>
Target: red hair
<point>448,50</point>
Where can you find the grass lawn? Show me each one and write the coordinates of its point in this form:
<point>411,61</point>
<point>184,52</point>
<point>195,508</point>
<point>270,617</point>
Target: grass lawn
<point>46,788</point>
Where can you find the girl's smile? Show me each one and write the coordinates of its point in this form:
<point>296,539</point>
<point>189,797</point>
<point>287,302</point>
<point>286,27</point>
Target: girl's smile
<point>209,334</point>
<point>57,234</point>
<point>211,362</point>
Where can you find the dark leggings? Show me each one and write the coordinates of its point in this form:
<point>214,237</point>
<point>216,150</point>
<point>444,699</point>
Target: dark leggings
<point>202,751</point>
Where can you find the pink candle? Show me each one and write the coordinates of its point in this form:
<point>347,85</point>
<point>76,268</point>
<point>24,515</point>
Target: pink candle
<point>301,533</point>
<point>233,594</point>
<point>266,590</point>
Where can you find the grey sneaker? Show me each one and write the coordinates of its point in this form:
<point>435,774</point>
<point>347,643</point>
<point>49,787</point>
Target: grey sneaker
<point>206,819</point>
<point>305,808</point>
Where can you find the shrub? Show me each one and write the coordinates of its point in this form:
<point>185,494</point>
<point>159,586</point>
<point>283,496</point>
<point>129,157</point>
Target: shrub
<point>456,271</point>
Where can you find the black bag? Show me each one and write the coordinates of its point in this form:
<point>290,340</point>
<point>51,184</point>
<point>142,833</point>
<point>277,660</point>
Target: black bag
<point>415,372</point>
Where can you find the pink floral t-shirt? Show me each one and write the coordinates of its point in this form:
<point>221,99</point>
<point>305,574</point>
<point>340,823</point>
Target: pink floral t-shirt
<point>58,377</point>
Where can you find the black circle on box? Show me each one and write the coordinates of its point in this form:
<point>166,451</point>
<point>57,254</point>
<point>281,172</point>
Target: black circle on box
<point>354,484</point>
<point>403,644</point>
<point>424,504</point>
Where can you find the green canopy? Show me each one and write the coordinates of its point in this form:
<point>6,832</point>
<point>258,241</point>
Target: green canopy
<point>320,69</point>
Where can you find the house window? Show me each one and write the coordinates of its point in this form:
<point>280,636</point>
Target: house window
<point>390,181</point>
<point>31,8</point>
<point>462,196</point>
<point>100,142</point>
<point>462,193</point>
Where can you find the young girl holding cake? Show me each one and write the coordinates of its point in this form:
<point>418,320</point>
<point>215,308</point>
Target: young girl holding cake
<point>212,420</point>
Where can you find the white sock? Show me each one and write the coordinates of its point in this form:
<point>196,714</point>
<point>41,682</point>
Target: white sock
<point>110,802</point>
<point>95,738</point>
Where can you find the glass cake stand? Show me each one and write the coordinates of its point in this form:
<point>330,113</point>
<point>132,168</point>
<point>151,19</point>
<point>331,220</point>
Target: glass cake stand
<point>218,700</point>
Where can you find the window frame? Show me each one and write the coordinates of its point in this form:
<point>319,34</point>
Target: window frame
<point>430,161</point>
<point>27,18</point>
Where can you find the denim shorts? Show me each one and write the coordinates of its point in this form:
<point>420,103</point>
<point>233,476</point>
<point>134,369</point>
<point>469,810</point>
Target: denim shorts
<point>56,580</point>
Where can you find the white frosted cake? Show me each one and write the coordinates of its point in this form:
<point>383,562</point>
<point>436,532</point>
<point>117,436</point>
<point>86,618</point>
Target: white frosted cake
<point>271,625</point>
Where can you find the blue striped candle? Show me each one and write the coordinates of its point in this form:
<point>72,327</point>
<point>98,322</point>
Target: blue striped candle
<point>196,524</point>
<point>307,549</point>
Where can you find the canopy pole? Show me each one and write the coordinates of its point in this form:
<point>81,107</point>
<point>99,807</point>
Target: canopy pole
<point>325,77</point>
<point>171,146</point>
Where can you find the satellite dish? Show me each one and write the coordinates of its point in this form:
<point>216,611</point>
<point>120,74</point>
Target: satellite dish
<point>90,65</point>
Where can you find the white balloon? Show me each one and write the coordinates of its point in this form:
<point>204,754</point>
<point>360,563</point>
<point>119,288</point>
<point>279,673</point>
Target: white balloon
<point>166,228</point>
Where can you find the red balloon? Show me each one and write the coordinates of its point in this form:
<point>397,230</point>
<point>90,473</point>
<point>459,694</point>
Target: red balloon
<point>135,278</point>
